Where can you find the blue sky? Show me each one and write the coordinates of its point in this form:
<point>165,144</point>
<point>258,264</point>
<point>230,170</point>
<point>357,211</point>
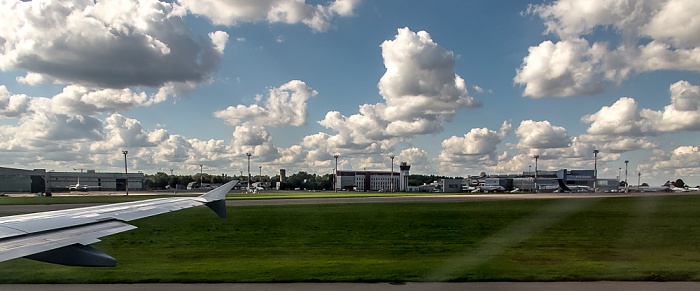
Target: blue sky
<point>451,87</point>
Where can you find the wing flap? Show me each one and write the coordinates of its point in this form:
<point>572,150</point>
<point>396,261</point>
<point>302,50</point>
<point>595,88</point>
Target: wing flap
<point>20,246</point>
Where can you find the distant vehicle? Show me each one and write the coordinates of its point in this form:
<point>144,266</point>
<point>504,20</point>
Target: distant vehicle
<point>516,190</point>
<point>83,187</point>
<point>492,189</point>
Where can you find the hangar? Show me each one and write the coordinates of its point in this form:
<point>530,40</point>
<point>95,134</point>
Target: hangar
<point>39,180</point>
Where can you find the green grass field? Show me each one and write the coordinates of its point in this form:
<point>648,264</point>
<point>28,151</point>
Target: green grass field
<point>58,199</point>
<point>649,238</point>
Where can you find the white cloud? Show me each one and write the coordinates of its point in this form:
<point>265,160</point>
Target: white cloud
<point>683,161</point>
<point>564,68</point>
<point>285,105</point>
<point>678,22</point>
<point>229,13</point>
<point>421,93</point>
<point>541,135</point>
<point>652,35</point>
<point>12,105</point>
<point>254,139</point>
<point>111,43</point>
<point>625,119</point>
<point>622,118</point>
<point>683,114</point>
<point>31,79</point>
<point>84,101</point>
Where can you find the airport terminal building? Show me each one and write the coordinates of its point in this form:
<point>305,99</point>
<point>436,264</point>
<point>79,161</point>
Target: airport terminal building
<point>373,180</point>
<point>546,181</point>
<point>39,180</point>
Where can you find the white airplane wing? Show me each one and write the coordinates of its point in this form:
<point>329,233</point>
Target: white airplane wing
<point>63,236</point>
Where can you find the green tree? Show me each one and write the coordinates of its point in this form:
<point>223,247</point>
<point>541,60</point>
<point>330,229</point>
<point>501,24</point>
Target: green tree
<point>679,183</point>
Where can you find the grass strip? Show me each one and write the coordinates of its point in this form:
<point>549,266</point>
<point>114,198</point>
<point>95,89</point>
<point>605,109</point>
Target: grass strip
<point>643,238</point>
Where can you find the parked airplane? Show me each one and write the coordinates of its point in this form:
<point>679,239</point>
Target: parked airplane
<point>666,187</point>
<point>78,187</point>
<point>63,237</point>
<point>571,188</point>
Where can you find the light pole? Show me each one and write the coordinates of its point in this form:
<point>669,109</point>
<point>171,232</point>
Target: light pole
<point>126,174</point>
<point>335,174</point>
<point>391,189</point>
<point>529,169</point>
<point>639,180</point>
<point>619,175</point>
<point>171,172</point>
<point>595,170</point>
<point>201,178</point>
<point>260,174</point>
<point>626,189</point>
<point>248,187</point>
<point>536,188</point>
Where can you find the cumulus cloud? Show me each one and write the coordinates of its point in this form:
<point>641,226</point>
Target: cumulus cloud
<point>84,101</point>
<point>12,105</point>
<point>541,135</point>
<point>683,114</point>
<point>621,118</point>
<point>421,93</point>
<point>652,35</point>
<point>111,43</point>
<point>254,139</point>
<point>683,161</point>
<point>625,119</point>
<point>564,68</point>
<point>317,17</point>
<point>477,148</point>
<point>285,105</point>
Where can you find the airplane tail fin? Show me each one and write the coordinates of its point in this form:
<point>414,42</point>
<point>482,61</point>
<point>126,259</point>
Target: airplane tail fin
<point>216,199</point>
<point>563,186</point>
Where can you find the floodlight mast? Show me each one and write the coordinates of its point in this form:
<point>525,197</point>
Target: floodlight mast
<point>536,188</point>
<point>335,174</point>
<point>626,188</point>
<point>595,170</point>
<point>391,189</point>
<point>126,174</point>
<point>248,187</point>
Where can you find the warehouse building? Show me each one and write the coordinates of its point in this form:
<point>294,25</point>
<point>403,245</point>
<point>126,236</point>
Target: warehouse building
<point>39,181</point>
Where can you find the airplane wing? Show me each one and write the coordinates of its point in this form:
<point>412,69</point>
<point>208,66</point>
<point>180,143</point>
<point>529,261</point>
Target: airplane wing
<point>63,236</point>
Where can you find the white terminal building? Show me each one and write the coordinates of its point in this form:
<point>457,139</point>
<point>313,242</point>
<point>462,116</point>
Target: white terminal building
<point>373,180</point>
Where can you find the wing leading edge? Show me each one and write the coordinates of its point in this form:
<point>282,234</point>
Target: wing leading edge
<point>63,236</point>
